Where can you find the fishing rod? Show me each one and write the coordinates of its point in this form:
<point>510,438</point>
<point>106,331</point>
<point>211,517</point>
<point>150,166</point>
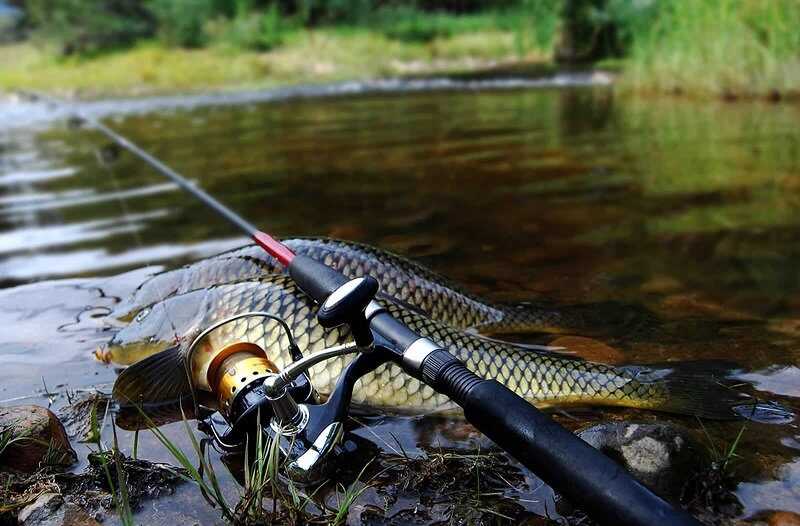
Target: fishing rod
<point>246,382</point>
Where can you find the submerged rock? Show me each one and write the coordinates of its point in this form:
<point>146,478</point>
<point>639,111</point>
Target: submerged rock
<point>660,455</point>
<point>33,437</point>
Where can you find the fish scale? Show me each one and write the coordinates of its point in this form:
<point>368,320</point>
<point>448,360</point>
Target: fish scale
<point>404,280</point>
<point>542,378</point>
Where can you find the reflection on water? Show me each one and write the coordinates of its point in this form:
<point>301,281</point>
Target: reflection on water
<point>680,220</point>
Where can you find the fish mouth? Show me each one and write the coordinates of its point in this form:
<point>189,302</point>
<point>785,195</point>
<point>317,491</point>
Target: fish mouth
<point>125,354</point>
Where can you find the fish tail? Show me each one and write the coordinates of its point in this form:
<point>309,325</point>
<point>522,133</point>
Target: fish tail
<point>606,317</point>
<point>524,318</point>
<point>703,389</point>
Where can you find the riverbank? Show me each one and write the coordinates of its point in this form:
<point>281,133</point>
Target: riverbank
<point>307,57</point>
<point>709,49</point>
<point>325,56</point>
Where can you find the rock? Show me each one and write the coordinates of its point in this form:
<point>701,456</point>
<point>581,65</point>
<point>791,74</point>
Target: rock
<point>49,509</point>
<point>46,506</point>
<point>38,438</point>
<point>660,455</point>
<point>783,518</point>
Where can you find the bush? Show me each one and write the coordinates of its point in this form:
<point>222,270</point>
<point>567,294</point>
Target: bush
<point>89,26</point>
<point>411,25</point>
<point>182,22</point>
<point>253,30</point>
<point>316,12</point>
<point>598,29</point>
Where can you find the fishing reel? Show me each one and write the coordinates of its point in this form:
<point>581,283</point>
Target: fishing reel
<point>253,394</point>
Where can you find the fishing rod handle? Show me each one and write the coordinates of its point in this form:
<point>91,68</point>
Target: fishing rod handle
<point>315,278</point>
<point>571,466</point>
<point>584,475</point>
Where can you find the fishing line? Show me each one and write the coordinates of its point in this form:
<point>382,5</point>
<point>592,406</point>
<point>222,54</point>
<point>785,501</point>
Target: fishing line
<point>275,248</point>
<point>128,218</point>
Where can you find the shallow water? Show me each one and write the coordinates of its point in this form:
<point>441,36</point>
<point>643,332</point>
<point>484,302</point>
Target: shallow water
<point>673,226</point>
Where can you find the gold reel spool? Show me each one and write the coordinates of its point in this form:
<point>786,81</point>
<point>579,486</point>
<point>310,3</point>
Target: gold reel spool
<point>226,371</point>
<point>235,367</point>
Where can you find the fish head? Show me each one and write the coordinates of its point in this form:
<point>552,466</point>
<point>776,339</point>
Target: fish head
<point>155,289</point>
<point>175,321</point>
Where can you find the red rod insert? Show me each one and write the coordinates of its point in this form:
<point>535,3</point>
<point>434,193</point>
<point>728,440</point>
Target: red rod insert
<point>275,248</point>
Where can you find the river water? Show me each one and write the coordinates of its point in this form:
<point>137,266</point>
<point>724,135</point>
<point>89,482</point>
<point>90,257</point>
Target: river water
<point>673,225</point>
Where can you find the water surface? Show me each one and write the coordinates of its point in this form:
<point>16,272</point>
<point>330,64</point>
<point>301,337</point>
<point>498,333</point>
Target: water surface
<point>672,225</point>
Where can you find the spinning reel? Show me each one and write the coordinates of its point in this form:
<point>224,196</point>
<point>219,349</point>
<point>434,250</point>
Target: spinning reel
<point>249,389</point>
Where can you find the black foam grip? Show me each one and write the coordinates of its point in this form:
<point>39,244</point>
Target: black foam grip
<point>581,473</point>
<point>572,467</point>
<point>314,278</point>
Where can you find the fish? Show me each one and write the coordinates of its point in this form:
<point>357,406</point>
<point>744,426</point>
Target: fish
<point>405,281</point>
<point>155,343</point>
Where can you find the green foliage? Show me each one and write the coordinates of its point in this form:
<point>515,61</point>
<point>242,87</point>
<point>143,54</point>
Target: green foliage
<point>90,26</point>
<point>260,31</point>
<point>182,22</point>
<point>318,12</point>
<point>408,24</point>
<point>536,24</point>
<point>596,29</point>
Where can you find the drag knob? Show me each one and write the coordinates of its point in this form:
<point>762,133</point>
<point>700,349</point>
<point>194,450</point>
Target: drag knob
<point>346,305</point>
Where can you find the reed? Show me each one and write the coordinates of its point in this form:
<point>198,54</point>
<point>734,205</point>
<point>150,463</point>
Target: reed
<point>725,48</point>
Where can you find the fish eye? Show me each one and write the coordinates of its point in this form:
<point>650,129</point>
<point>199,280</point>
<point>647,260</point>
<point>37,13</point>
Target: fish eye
<point>142,314</point>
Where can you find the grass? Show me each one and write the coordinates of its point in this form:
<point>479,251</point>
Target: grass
<point>262,482</point>
<point>722,455</point>
<point>210,489</point>
<point>305,56</point>
<point>718,48</point>
<point>119,493</point>
<point>349,496</point>
<point>8,439</point>
<point>703,48</point>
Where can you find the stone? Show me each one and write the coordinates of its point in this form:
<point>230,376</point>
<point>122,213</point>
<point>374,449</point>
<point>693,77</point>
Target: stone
<point>46,509</point>
<point>783,518</point>
<point>38,438</point>
<point>49,509</point>
<point>660,455</point>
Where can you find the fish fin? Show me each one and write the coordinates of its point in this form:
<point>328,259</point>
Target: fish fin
<point>157,378</point>
<point>706,389</point>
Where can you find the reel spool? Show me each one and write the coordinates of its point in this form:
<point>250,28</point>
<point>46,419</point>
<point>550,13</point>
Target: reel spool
<point>234,375</point>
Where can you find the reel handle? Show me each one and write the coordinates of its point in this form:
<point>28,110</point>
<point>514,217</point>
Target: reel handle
<point>341,301</point>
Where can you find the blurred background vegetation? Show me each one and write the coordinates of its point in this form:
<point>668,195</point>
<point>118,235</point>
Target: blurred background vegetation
<point>728,48</point>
